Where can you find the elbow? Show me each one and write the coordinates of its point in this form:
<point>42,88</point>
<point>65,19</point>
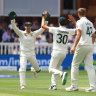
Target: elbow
<point>42,26</point>
<point>79,33</point>
<point>45,27</point>
<point>79,36</point>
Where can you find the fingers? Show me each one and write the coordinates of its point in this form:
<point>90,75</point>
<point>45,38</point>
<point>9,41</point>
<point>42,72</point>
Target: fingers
<point>71,18</point>
<point>45,13</point>
<point>71,51</point>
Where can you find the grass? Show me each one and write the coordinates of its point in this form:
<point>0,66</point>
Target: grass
<point>40,85</point>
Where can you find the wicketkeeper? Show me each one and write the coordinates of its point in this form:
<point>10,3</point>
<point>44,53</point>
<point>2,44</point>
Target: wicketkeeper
<point>27,46</point>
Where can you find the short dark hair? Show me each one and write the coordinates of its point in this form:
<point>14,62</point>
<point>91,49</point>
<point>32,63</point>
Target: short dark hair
<point>62,21</point>
<point>82,11</point>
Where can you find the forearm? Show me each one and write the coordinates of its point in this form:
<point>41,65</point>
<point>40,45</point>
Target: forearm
<point>93,38</point>
<point>72,19</point>
<point>43,21</point>
<point>77,38</point>
<point>17,31</point>
<point>43,24</point>
<point>74,23</point>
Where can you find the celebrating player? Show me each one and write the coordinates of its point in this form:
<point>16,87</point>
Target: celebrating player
<point>27,46</point>
<point>83,47</point>
<point>60,40</point>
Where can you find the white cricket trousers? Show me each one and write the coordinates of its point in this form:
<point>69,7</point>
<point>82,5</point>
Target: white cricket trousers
<point>83,53</point>
<point>57,58</point>
<point>23,62</point>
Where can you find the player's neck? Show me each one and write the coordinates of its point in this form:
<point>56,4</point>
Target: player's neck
<point>28,31</point>
<point>81,16</point>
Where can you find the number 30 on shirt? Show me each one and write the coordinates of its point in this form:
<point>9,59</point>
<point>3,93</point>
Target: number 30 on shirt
<point>62,38</point>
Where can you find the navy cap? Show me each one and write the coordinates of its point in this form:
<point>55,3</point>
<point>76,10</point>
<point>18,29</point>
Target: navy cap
<point>28,23</point>
<point>62,20</point>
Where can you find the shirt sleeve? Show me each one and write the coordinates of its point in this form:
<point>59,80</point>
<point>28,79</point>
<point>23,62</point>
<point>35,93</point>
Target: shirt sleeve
<point>15,28</point>
<point>38,32</point>
<point>79,25</point>
<point>72,31</point>
<point>52,30</point>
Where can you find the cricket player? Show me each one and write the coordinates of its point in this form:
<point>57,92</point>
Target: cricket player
<point>60,41</point>
<point>27,46</point>
<point>83,47</point>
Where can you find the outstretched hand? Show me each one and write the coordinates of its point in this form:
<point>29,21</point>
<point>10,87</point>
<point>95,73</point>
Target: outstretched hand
<point>12,15</point>
<point>46,15</point>
<point>71,18</point>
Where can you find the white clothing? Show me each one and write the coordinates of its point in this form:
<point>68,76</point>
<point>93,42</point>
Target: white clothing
<point>27,46</point>
<point>60,41</point>
<point>27,41</point>
<point>60,37</point>
<point>87,29</point>
<point>84,51</point>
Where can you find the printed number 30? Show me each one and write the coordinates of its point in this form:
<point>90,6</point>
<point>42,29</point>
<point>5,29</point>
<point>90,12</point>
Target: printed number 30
<point>62,39</point>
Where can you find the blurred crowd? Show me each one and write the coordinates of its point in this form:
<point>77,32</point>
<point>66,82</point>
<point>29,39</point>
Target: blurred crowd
<point>8,35</point>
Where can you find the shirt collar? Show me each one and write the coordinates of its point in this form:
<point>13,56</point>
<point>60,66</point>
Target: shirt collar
<point>62,26</point>
<point>83,18</point>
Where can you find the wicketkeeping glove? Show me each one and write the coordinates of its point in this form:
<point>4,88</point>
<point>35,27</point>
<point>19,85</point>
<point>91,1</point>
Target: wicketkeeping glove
<point>12,15</point>
<point>47,18</point>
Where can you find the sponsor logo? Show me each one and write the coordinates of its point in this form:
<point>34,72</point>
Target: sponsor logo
<point>16,62</point>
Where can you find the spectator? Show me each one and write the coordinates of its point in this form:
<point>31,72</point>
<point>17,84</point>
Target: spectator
<point>16,48</point>
<point>36,25</point>
<point>49,36</point>
<point>8,36</point>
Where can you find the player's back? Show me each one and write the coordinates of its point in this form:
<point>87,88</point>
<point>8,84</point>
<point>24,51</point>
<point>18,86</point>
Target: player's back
<point>60,37</point>
<point>87,30</point>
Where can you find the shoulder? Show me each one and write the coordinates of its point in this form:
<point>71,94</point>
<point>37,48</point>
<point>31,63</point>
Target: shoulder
<point>79,22</point>
<point>53,28</point>
<point>71,29</point>
<point>90,22</point>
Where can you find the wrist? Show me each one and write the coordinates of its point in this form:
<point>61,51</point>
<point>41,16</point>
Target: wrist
<point>74,46</point>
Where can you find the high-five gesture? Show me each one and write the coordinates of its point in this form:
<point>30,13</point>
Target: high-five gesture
<point>12,15</point>
<point>46,15</point>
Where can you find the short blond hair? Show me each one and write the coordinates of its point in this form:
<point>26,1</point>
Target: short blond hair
<point>82,11</point>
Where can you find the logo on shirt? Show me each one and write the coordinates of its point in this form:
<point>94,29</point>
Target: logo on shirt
<point>26,34</point>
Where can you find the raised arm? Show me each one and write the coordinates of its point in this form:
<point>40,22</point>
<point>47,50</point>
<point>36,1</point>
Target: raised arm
<point>12,16</point>
<point>44,17</point>
<point>72,19</point>
<point>44,22</point>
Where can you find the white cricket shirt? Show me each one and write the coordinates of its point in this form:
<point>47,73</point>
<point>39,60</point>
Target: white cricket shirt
<point>27,41</point>
<point>60,37</point>
<point>87,30</point>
